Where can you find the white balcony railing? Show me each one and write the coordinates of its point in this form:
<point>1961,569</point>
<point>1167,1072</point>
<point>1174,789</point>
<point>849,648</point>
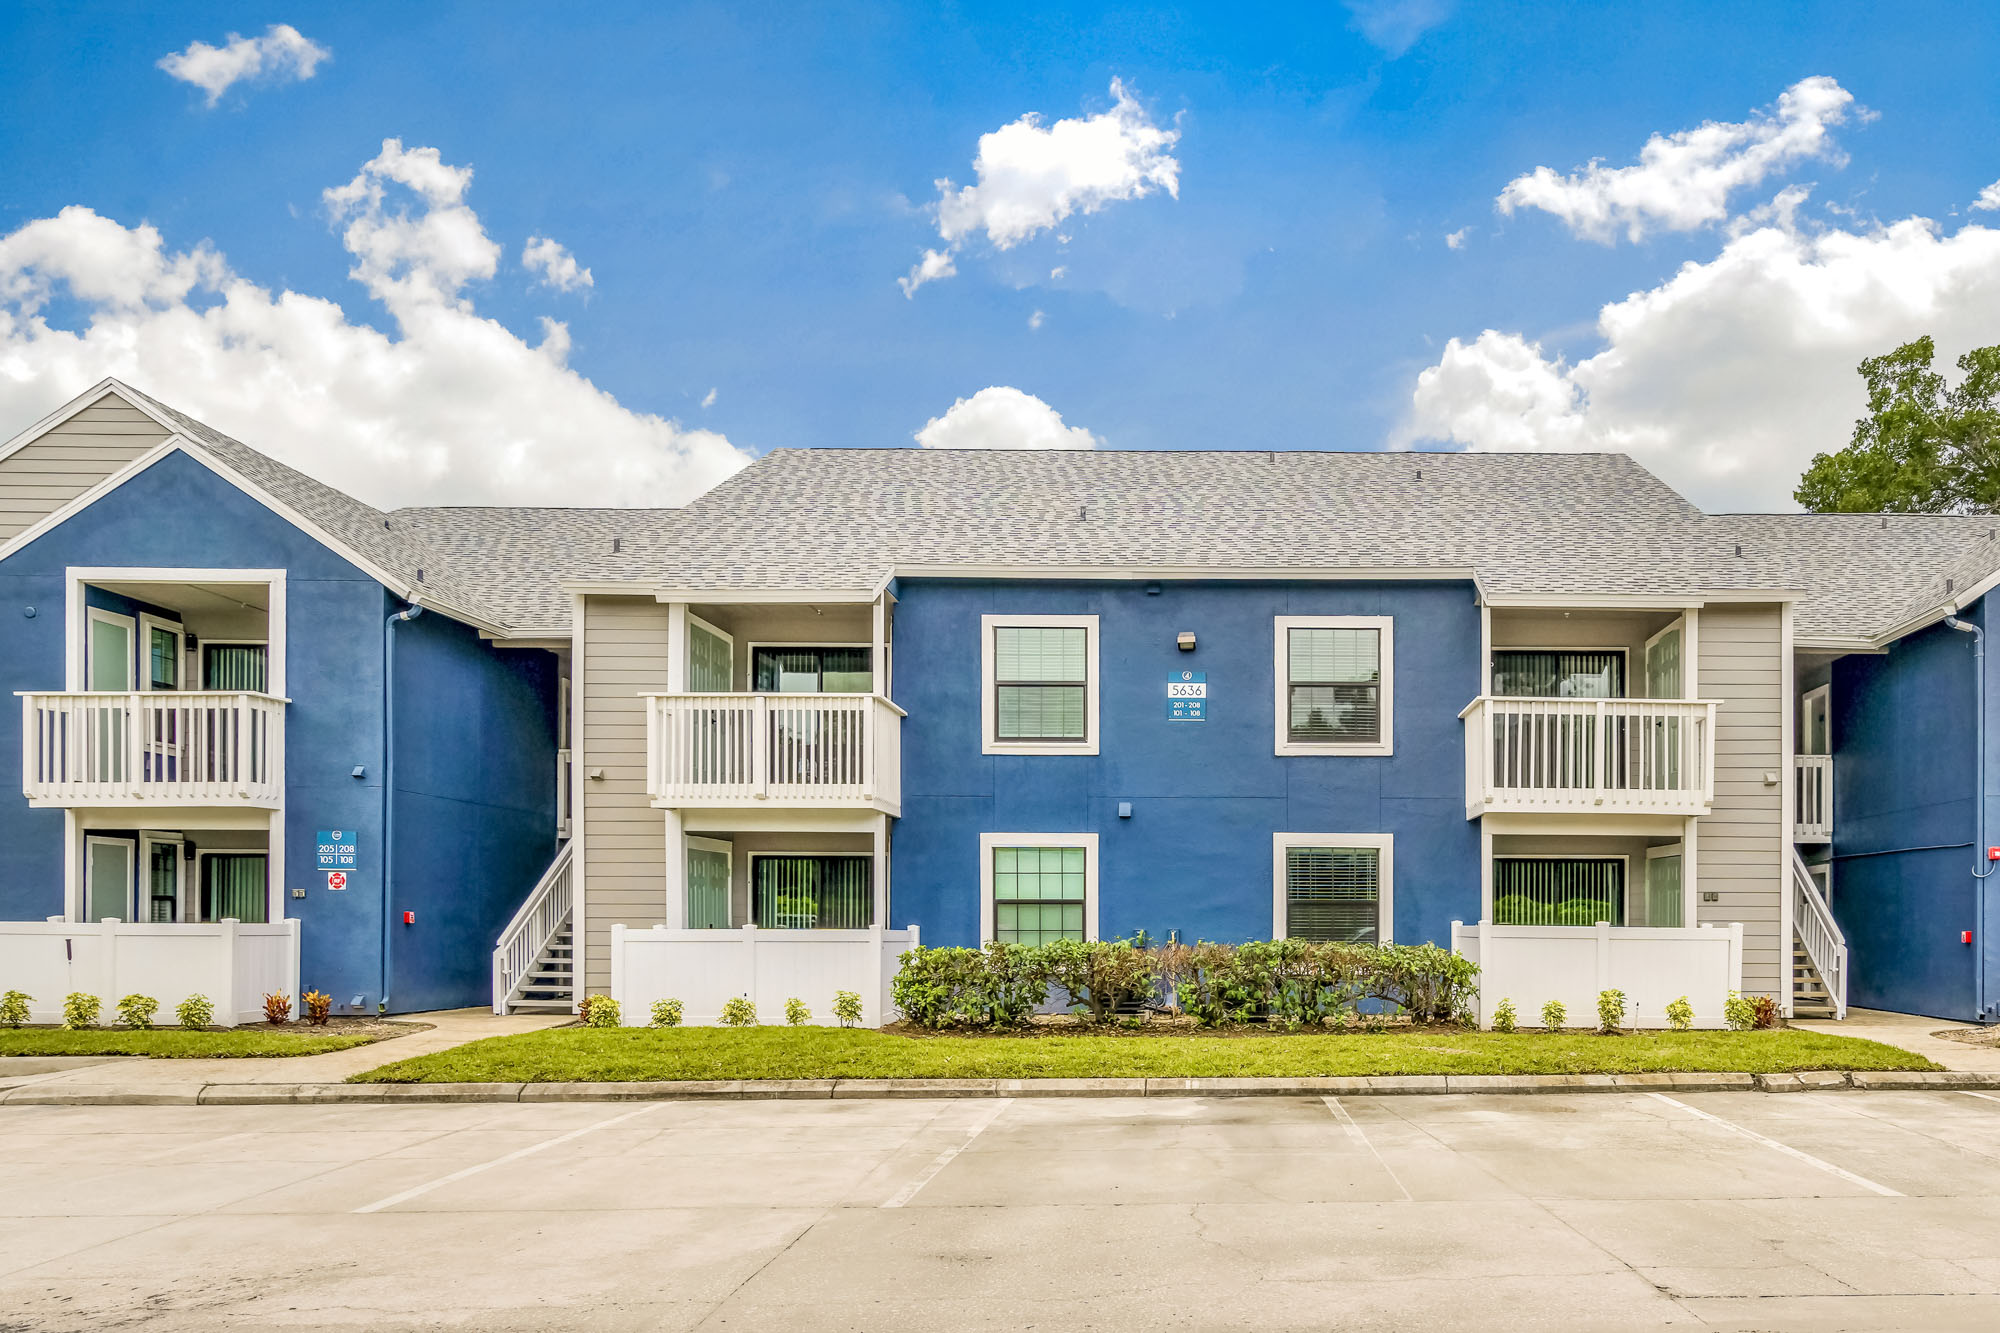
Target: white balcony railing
<point>1616,756</point>
<point>153,748</point>
<point>1813,780</point>
<point>791,749</point>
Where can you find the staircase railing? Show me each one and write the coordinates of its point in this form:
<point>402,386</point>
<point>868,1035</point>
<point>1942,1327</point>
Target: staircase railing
<point>541,916</point>
<point>1813,921</point>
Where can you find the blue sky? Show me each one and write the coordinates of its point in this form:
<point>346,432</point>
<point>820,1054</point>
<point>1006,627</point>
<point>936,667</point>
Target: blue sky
<point>745,186</point>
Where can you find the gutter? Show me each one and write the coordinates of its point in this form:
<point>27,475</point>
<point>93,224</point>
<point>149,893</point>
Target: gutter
<point>410,612</point>
<point>1979,812</point>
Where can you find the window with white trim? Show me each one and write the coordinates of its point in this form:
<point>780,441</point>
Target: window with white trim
<point>1036,888</point>
<point>1333,887</point>
<point>1334,678</point>
<point>1039,684</point>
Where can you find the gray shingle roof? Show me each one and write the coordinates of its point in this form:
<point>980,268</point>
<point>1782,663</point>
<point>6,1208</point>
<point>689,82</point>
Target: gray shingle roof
<point>842,519</point>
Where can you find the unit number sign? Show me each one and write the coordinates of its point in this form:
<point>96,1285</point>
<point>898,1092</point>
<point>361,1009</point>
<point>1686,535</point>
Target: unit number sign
<point>1187,696</point>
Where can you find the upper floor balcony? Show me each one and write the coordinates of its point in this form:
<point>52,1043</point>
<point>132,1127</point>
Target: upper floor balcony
<point>153,747</point>
<point>1612,756</point>
<point>793,749</point>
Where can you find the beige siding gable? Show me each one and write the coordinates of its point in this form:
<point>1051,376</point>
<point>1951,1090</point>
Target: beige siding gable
<point>623,652</point>
<point>70,458</point>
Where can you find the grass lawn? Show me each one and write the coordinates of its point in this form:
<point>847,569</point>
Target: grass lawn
<point>638,1054</point>
<point>176,1044</point>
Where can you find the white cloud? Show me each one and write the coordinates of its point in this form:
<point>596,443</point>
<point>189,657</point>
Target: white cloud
<point>282,53</point>
<point>1683,181</point>
<point>708,399</point>
<point>556,264</point>
<point>1035,320</point>
<point>1727,378</point>
<point>1031,176</point>
<point>1455,240</point>
<point>1989,198</point>
<point>934,265</point>
<point>1003,418</point>
<point>450,407</point>
<point>1056,273</point>
<point>1395,25</point>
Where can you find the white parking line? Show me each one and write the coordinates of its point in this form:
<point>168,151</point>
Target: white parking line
<point>514,1156</point>
<point>1354,1132</point>
<point>943,1159</point>
<point>1784,1148</point>
<point>1982,1096</point>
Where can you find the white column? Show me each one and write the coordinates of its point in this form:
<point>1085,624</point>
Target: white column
<point>1787,803</point>
<point>1485,878</point>
<point>676,871</point>
<point>677,647</point>
<point>1690,878</point>
<point>225,1003</point>
<point>880,870</point>
<point>618,969</point>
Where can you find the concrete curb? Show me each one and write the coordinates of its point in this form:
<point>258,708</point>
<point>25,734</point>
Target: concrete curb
<point>321,1094</point>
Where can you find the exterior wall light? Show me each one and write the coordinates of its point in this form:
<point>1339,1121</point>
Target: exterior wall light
<point>1186,640</point>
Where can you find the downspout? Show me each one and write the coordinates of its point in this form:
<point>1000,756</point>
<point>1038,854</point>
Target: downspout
<point>410,612</point>
<point>1979,814</point>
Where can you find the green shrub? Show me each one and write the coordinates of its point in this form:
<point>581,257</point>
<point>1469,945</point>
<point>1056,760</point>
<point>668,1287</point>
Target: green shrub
<point>1610,1010</point>
<point>847,1007</point>
<point>80,1010</point>
<point>136,1011</point>
<point>796,1013</point>
<point>1431,984</point>
<point>1739,1013</point>
<point>1553,1014</point>
<point>14,1008</point>
<point>1680,1015</point>
<point>738,1012</point>
<point>195,1012</point>
<point>603,1012</point>
<point>932,986</point>
<point>1101,976</point>
<point>1503,1015</point>
<point>666,1013</point>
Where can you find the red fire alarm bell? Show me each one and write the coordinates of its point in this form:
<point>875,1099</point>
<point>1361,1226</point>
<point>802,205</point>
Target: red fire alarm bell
<point>1965,937</point>
<point>409,918</point>
<point>1993,853</point>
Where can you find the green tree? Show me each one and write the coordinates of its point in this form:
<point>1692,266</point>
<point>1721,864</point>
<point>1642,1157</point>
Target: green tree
<point>1925,447</point>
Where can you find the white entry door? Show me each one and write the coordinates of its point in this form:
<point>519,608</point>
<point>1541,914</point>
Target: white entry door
<point>708,881</point>
<point>107,878</point>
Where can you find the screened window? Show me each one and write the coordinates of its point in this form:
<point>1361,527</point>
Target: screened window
<point>163,658</point>
<point>807,670</point>
<point>232,885</point>
<point>1040,683</point>
<point>1039,894</point>
<point>1334,685</point>
<point>812,892</point>
<point>1570,891</point>
<point>1334,893</point>
<point>235,666</point>
<point>1539,674</point>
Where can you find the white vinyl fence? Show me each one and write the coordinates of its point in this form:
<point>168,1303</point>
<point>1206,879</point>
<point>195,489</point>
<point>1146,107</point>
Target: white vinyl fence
<point>1653,965</point>
<point>233,964</point>
<point>704,968</point>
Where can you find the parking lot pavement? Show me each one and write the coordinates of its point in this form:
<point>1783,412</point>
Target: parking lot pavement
<point>1812,1211</point>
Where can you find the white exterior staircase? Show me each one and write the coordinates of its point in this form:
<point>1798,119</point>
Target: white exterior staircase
<point>534,964</point>
<point>1819,950</point>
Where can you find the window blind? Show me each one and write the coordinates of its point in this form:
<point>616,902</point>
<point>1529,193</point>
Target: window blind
<point>813,670</point>
<point>1040,675</point>
<point>1576,891</point>
<point>812,892</point>
<point>232,885</point>
<point>1538,674</point>
<point>1334,676</point>
<point>1333,893</point>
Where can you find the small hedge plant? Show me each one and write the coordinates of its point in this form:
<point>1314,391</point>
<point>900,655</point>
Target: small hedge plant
<point>195,1012</point>
<point>136,1011</point>
<point>1553,1014</point>
<point>738,1012</point>
<point>14,1008</point>
<point>601,1011</point>
<point>796,1013</point>
<point>1680,1015</point>
<point>319,1007</point>
<point>1739,1013</point>
<point>666,1013</point>
<point>1610,1011</point>
<point>1503,1015</point>
<point>80,1010</point>
<point>847,1007</point>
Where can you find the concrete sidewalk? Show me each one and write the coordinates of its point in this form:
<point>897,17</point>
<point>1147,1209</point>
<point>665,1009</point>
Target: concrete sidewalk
<point>1911,1032</point>
<point>449,1028</point>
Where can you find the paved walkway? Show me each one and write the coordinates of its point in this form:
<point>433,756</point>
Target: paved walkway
<point>1614,1211</point>
<point>449,1028</point>
<point>1912,1032</point>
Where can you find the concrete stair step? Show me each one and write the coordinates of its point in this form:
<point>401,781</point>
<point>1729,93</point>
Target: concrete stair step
<point>542,1006</point>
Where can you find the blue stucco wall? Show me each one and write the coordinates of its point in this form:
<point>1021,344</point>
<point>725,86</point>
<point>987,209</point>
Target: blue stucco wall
<point>178,514</point>
<point>1195,856</point>
<point>1904,800</point>
<point>475,804</point>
